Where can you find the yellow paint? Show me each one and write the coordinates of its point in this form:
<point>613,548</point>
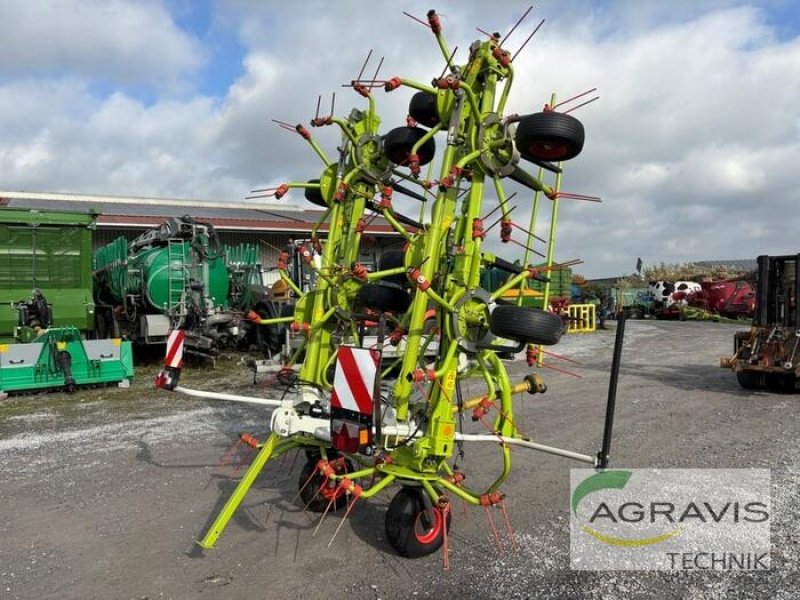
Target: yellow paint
<point>61,345</point>
<point>3,347</point>
<point>117,341</point>
<point>450,381</point>
<point>581,318</point>
<point>615,541</point>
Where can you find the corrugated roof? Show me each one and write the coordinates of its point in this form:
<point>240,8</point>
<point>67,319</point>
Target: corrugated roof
<point>131,214</point>
<point>742,265</point>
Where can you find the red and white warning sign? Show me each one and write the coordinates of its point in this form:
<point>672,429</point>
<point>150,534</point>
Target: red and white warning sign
<point>352,399</point>
<point>354,382</point>
<point>174,357</point>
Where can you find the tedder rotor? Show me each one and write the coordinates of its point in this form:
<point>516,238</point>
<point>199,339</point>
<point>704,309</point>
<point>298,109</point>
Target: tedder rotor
<point>386,408</point>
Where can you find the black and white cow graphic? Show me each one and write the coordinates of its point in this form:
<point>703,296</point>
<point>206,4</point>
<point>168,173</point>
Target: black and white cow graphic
<point>666,291</point>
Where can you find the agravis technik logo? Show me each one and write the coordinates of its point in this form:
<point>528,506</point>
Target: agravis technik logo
<point>670,519</point>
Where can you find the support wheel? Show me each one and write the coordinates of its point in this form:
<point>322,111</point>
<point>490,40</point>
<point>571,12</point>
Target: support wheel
<point>525,324</point>
<point>314,195</point>
<point>411,529</point>
<point>422,109</point>
<point>317,492</point>
<point>748,380</point>
<point>549,136</point>
<point>384,296</point>
<point>398,142</point>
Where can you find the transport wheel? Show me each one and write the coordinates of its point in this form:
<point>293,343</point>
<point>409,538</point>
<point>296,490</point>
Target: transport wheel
<point>422,109</point>
<point>549,136</point>
<point>780,383</point>
<point>318,491</point>
<point>411,529</point>
<point>384,296</point>
<point>526,324</point>
<point>748,380</point>
<point>391,259</point>
<point>398,142</point>
<point>314,195</point>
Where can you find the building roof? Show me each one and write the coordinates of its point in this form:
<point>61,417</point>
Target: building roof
<point>136,212</point>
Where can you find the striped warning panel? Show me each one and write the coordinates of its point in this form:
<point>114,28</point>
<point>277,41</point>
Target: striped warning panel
<point>354,381</point>
<point>174,356</point>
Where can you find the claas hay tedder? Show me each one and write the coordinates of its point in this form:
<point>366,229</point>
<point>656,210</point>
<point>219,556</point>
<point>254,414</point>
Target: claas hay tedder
<point>366,419</point>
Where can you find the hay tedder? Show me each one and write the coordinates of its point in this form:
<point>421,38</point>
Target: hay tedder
<point>364,418</point>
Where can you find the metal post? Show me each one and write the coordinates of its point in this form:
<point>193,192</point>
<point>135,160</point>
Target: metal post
<point>603,455</point>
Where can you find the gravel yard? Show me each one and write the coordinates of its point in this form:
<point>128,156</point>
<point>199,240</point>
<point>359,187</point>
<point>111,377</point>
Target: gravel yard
<point>103,492</point>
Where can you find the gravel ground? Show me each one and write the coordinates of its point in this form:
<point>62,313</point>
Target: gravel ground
<point>103,492</point>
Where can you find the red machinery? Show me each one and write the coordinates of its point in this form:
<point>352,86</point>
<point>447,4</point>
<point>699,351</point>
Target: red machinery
<point>727,298</point>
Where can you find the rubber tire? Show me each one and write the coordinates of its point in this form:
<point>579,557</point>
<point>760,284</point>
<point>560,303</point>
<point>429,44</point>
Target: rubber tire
<point>398,142</point>
<point>780,383</point>
<point>318,502</point>
<point>748,380</point>
<point>526,324</point>
<point>401,522</point>
<point>549,136</point>
<point>422,109</point>
<point>387,297</point>
<point>314,195</point>
<point>391,259</point>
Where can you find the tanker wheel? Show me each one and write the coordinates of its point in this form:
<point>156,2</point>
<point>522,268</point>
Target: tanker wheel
<point>748,380</point>
<point>316,492</point>
<point>526,324</point>
<point>412,529</point>
<point>422,109</point>
<point>398,142</point>
<point>549,136</point>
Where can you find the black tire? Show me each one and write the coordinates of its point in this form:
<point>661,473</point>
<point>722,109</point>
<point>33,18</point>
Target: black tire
<point>392,259</point>
<point>422,109</point>
<point>398,142</point>
<point>549,136</point>
<point>780,383</point>
<point>314,195</point>
<point>384,296</point>
<point>748,380</point>
<point>525,324</point>
<point>412,530</point>
<point>315,492</point>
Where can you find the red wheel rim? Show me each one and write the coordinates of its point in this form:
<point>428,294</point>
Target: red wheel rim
<point>547,150</point>
<point>429,536</point>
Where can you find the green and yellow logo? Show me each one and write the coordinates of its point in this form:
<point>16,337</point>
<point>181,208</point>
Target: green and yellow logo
<point>606,480</point>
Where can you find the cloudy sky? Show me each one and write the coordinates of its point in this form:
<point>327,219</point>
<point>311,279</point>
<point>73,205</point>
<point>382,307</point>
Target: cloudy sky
<point>694,145</point>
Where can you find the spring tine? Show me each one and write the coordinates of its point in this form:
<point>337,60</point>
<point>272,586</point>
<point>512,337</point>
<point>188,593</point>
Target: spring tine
<point>319,101</point>
<point>568,100</point>
<point>364,66</point>
<point>410,16</point>
<point>333,102</point>
<point>533,235</point>
<point>486,33</point>
<point>350,506</point>
<point>525,43</point>
<point>375,77</point>
<point>582,104</point>
<point>511,537</point>
<point>327,508</point>
<point>520,20</point>
<point>449,63</point>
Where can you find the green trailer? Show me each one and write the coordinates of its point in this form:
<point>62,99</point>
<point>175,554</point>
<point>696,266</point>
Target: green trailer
<point>51,252</point>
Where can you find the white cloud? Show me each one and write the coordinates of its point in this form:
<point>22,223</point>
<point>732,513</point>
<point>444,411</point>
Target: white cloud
<point>118,41</point>
<point>692,146</point>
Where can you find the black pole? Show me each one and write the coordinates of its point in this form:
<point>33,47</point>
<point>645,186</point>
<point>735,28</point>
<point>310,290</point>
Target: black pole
<point>377,413</point>
<point>603,455</point>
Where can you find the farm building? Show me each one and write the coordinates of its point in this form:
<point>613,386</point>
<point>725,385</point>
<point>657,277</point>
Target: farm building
<point>270,226</point>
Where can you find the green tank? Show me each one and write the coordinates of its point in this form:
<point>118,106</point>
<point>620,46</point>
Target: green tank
<point>176,275</point>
